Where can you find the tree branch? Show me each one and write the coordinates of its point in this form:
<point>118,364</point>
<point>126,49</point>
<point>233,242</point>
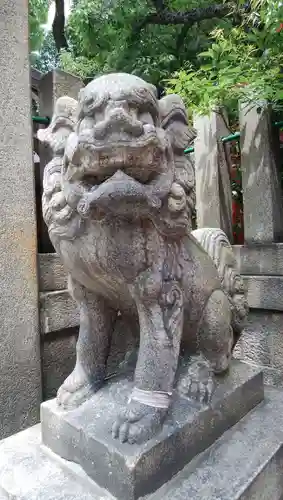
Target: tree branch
<point>192,16</point>
<point>58,26</point>
<point>181,37</point>
<point>166,17</point>
<point>163,16</point>
<point>158,4</point>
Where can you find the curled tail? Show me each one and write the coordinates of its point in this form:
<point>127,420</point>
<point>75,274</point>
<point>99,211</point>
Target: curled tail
<point>216,244</point>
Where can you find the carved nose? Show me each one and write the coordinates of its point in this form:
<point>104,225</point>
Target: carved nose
<point>118,120</point>
<point>121,121</point>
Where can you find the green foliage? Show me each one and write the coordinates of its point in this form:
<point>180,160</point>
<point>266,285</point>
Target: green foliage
<point>38,12</point>
<point>106,36</point>
<point>213,62</point>
<point>244,62</point>
<point>46,58</point>
<point>81,66</point>
<point>99,32</point>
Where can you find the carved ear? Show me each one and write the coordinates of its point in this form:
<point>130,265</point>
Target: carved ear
<point>62,123</point>
<point>174,120</point>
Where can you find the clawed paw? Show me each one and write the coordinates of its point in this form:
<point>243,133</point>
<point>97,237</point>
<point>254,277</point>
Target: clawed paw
<point>70,400</point>
<point>137,423</point>
<point>78,388</point>
<point>198,383</point>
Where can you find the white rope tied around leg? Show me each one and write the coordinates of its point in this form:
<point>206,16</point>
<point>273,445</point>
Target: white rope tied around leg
<point>155,399</point>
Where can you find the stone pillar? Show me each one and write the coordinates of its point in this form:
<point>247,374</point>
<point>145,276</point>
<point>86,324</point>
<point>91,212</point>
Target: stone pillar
<point>51,86</point>
<point>262,196</point>
<point>213,188</point>
<point>56,84</point>
<point>20,369</point>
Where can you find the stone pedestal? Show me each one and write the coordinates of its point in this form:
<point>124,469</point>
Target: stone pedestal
<point>132,471</point>
<point>261,343</point>
<point>245,463</point>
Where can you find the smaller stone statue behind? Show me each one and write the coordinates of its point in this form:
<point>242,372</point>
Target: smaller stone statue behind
<point>118,199</point>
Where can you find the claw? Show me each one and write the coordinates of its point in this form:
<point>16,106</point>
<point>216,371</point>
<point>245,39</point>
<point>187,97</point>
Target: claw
<point>124,430</point>
<point>77,388</point>
<point>198,382</point>
<point>137,423</point>
<point>115,429</point>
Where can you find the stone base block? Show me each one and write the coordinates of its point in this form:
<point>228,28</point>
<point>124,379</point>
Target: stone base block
<point>246,463</point>
<point>131,471</point>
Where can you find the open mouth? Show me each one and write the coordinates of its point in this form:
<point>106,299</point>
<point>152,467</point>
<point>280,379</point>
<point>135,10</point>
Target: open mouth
<point>90,180</point>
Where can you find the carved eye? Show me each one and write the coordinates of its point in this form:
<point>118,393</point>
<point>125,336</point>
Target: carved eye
<point>146,117</point>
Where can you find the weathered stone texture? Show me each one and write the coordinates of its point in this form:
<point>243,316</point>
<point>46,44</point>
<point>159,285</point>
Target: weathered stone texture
<point>262,195</point>
<point>28,473</point>
<point>110,220</point>
<point>57,311</point>
<point>58,354</point>
<point>261,344</point>
<point>130,472</point>
<point>51,86</point>
<point>265,292</point>
<point>56,84</point>
<point>20,381</point>
<point>260,259</point>
<point>213,191</point>
<point>244,464</point>
<point>51,273</point>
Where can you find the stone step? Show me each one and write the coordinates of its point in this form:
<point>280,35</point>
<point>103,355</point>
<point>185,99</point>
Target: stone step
<point>244,464</point>
<point>254,260</point>
<point>27,472</point>
<point>51,273</point>
<point>265,292</point>
<point>57,311</point>
<point>260,259</point>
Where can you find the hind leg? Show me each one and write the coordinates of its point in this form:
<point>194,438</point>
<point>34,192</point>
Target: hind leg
<point>96,324</point>
<point>215,336</point>
<point>215,343</point>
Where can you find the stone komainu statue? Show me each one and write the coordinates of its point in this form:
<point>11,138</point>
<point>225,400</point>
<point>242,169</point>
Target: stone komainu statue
<point>118,199</point>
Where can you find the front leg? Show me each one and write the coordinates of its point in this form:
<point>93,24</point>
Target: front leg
<point>96,324</point>
<point>160,310</point>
